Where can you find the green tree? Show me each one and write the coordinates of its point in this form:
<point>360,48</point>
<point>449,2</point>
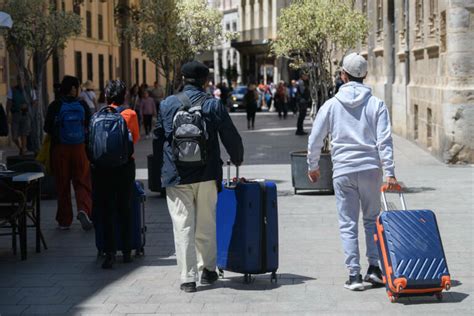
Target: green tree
<point>38,31</point>
<point>171,32</point>
<point>311,33</point>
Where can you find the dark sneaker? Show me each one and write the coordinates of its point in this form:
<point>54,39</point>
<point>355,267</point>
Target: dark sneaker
<point>374,276</point>
<point>354,283</point>
<point>209,277</point>
<point>109,261</point>
<point>86,222</point>
<point>189,287</point>
<point>127,257</point>
<point>301,133</point>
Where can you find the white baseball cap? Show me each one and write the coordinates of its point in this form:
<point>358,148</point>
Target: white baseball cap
<point>355,65</point>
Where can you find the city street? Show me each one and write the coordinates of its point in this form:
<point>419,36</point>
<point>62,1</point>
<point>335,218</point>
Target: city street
<point>67,278</point>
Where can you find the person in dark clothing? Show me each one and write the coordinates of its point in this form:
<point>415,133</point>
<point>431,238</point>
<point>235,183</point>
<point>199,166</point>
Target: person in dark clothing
<point>65,117</point>
<point>303,100</point>
<point>338,82</point>
<point>281,100</point>
<point>113,187</point>
<point>250,101</point>
<point>192,190</point>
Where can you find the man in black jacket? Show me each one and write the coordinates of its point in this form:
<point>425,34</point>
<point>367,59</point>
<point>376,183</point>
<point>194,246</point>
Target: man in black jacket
<point>303,100</point>
<point>192,190</point>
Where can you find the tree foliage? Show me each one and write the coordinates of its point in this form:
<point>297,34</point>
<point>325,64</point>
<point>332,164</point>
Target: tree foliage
<point>38,31</point>
<point>312,32</point>
<point>171,32</point>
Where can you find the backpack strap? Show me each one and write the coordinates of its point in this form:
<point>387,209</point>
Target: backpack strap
<point>187,105</point>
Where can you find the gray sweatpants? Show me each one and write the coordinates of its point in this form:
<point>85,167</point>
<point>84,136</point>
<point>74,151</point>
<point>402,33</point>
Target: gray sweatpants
<point>355,191</point>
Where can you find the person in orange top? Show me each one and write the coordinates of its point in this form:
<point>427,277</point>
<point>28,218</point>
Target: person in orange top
<point>113,187</point>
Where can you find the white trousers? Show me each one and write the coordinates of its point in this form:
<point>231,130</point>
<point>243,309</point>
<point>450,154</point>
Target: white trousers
<point>193,211</point>
<point>355,191</point>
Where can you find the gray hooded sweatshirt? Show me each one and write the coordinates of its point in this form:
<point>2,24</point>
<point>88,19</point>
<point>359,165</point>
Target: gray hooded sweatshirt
<point>359,125</point>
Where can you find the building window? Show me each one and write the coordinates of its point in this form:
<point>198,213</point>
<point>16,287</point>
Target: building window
<point>429,127</point>
<point>56,78</point>
<point>364,7</point>
<point>78,62</point>
<point>144,70</point>
<point>419,19</point>
<point>111,67</point>
<point>234,26</point>
<point>379,18</point>
<point>89,23</point>
<point>63,5</point>
<point>433,16</point>
<point>137,68</point>
<point>101,72</point>
<point>101,26</point>
<point>442,32</point>
<point>415,123</point>
<point>90,67</point>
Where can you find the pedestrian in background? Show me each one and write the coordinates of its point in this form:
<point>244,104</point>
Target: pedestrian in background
<point>67,122</point>
<point>101,102</point>
<point>134,102</point>
<point>18,115</point>
<point>88,95</point>
<point>293,89</point>
<point>361,141</point>
<point>303,101</point>
<point>113,186</point>
<point>191,188</point>
<point>250,102</point>
<point>147,109</point>
<point>281,100</point>
<point>157,93</point>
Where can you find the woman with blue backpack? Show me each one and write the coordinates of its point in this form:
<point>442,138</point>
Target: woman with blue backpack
<point>67,122</point>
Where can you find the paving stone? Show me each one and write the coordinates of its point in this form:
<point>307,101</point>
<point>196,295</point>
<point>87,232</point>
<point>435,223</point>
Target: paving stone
<point>47,309</point>
<point>81,309</point>
<point>224,308</point>
<point>12,309</point>
<point>180,308</point>
<point>127,299</point>
<point>136,308</point>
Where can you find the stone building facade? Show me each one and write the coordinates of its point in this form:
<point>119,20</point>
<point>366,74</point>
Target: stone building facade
<point>421,63</point>
<point>258,21</point>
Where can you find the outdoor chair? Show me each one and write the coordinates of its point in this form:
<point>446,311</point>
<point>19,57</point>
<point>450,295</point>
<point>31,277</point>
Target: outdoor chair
<point>31,193</point>
<point>12,208</point>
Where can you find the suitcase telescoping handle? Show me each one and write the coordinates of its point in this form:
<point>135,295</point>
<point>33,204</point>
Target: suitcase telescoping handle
<point>396,188</point>
<point>228,173</point>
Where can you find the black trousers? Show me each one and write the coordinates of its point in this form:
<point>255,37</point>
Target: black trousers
<point>302,109</point>
<point>147,119</point>
<point>251,118</point>
<point>113,189</point>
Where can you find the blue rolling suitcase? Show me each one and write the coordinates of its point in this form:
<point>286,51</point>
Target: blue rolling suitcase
<point>411,252</point>
<point>138,223</point>
<point>247,228</point>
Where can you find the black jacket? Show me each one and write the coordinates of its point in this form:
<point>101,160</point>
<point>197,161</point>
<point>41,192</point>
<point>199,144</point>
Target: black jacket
<point>218,122</point>
<point>50,125</point>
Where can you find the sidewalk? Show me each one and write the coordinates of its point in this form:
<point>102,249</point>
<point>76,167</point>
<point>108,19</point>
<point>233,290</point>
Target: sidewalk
<point>67,278</point>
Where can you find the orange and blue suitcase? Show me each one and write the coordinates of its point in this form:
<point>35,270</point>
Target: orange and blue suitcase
<point>411,251</point>
<point>247,228</point>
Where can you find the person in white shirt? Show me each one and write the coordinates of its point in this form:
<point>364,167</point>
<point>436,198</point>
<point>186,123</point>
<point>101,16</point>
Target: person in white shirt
<point>361,141</point>
<point>88,95</point>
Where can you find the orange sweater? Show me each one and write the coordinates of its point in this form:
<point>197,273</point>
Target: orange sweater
<point>130,116</point>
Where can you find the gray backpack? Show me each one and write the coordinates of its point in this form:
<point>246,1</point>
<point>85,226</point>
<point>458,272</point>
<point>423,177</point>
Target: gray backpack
<point>189,133</point>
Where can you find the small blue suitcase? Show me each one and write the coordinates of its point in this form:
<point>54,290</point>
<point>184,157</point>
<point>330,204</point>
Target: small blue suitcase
<point>138,223</point>
<point>411,252</point>
<point>247,228</point>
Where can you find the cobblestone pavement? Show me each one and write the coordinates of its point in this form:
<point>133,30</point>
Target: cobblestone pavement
<point>67,278</point>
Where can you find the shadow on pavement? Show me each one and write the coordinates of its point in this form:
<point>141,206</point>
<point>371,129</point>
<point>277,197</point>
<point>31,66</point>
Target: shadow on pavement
<point>448,297</point>
<point>409,190</point>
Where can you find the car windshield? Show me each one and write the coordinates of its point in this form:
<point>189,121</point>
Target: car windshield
<point>240,90</point>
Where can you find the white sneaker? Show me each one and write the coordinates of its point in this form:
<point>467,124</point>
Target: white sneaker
<point>354,283</point>
<point>86,222</point>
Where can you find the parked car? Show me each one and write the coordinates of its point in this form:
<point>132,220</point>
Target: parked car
<point>237,98</point>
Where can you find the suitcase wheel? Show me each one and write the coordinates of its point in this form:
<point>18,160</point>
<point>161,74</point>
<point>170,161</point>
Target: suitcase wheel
<point>448,287</point>
<point>221,273</point>
<point>273,277</point>
<point>247,278</point>
<point>439,296</point>
<point>392,297</point>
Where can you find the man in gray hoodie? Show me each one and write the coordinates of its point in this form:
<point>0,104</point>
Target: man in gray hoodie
<point>361,142</point>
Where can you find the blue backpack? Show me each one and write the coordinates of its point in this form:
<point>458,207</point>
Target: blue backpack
<point>110,141</point>
<point>72,123</point>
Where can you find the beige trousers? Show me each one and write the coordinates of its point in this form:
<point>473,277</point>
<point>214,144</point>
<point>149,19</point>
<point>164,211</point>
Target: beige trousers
<point>193,211</point>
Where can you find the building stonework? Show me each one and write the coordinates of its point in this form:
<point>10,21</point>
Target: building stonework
<point>425,74</point>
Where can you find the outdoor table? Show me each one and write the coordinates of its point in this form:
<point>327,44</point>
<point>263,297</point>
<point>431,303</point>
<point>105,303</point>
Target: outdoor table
<point>28,183</point>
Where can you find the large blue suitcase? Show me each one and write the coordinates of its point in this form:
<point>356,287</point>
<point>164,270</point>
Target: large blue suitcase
<point>138,223</point>
<point>247,228</point>
<point>411,252</point>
